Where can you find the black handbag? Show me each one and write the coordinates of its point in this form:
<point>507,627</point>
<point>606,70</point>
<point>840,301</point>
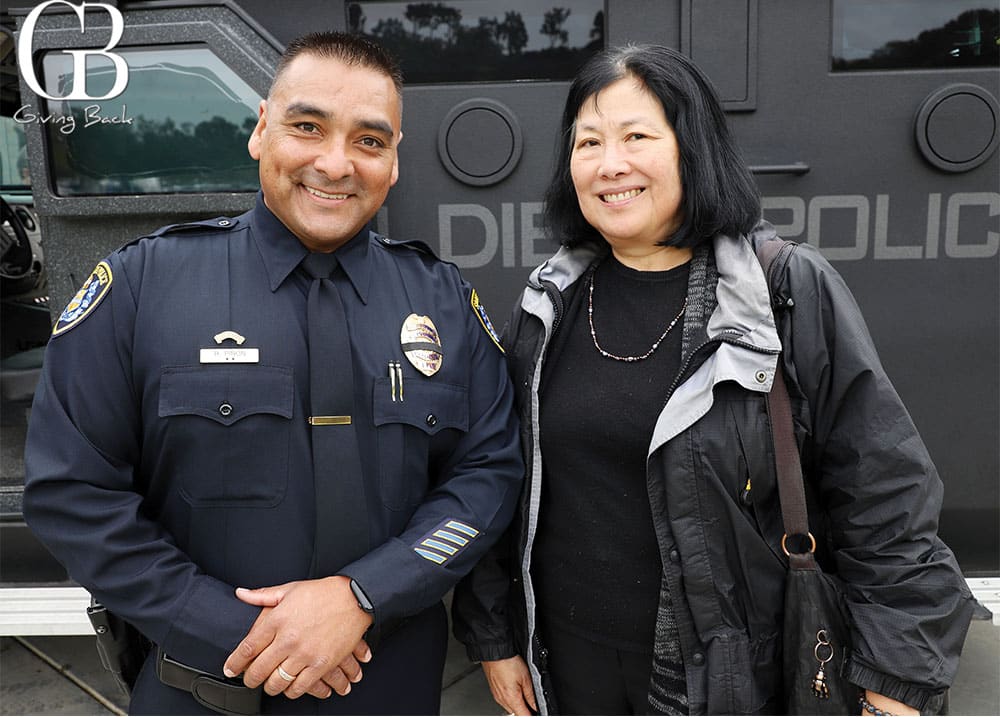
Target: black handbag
<point>817,636</point>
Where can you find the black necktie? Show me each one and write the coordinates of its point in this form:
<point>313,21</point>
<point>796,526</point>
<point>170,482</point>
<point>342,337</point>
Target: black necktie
<point>341,515</point>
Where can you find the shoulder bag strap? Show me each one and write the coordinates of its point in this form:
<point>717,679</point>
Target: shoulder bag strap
<point>788,465</point>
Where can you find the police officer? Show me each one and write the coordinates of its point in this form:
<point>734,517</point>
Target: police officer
<point>259,463</point>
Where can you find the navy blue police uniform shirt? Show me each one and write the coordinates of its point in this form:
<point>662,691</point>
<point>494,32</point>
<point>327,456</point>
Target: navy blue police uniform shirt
<point>162,482</point>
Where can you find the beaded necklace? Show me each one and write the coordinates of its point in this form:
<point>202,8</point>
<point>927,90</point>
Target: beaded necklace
<point>608,354</point>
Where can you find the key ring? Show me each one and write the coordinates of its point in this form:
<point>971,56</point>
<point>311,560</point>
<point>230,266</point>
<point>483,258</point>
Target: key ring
<point>821,642</point>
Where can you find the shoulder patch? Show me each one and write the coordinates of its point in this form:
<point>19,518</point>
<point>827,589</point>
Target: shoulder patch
<point>484,319</point>
<point>93,291</point>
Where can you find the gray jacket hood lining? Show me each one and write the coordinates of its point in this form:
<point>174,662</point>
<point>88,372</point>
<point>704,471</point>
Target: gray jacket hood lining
<point>742,319</point>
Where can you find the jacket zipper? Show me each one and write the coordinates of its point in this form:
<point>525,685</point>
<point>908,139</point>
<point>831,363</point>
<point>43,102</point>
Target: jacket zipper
<point>729,339</point>
<point>555,296</point>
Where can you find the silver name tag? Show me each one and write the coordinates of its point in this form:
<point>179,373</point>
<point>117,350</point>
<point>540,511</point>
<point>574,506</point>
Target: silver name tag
<point>230,356</point>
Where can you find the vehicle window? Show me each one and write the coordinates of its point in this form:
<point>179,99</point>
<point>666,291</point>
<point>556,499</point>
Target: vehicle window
<point>915,34</point>
<point>483,40</point>
<point>13,155</point>
<point>181,125</point>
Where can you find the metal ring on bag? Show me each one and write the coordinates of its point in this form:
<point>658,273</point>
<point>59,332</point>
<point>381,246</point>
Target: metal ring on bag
<point>812,543</point>
<point>822,641</point>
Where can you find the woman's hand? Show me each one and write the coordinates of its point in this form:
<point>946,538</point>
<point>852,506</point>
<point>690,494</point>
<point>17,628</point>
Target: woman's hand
<point>510,683</point>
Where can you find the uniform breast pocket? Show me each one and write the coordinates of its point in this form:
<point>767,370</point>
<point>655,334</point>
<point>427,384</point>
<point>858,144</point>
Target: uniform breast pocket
<point>404,430</point>
<point>227,432</point>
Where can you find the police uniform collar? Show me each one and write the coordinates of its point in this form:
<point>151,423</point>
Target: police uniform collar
<point>283,252</point>
<point>353,258</point>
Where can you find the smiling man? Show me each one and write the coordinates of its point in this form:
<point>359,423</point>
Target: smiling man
<point>273,442</point>
<point>326,142</point>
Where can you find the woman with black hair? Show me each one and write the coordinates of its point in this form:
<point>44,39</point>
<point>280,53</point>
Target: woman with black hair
<point>644,570</point>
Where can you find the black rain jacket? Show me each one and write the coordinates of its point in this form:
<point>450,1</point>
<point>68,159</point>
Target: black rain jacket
<point>873,491</point>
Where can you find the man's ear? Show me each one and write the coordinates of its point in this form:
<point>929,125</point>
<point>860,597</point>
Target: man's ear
<point>253,144</point>
<point>395,161</point>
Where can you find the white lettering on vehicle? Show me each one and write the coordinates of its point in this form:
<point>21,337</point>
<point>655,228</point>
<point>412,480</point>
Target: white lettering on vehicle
<point>872,237</point>
<point>495,235</point>
<point>473,236</point>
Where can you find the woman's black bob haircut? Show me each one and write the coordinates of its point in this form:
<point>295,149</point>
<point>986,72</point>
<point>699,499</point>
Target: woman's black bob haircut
<point>720,195</point>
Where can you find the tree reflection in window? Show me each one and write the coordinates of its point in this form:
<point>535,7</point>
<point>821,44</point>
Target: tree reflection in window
<point>483,40</point>
<point>943,34</point>
<point>185,119</point>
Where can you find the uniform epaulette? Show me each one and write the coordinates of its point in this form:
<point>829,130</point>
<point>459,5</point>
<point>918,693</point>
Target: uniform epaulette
<point>414,244</point>
<point>204,225</point>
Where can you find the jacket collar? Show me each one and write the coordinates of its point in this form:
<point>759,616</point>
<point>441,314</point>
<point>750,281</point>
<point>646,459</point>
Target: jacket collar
<point>565,267</point>
<point>742,305</point>
<point>742,323</point>
<point>282,251</point>
<point>744,300</point>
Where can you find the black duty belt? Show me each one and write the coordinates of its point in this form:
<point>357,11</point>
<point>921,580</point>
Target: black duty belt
<point>228,697</point>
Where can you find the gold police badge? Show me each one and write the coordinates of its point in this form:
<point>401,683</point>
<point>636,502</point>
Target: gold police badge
<point>421,344</point>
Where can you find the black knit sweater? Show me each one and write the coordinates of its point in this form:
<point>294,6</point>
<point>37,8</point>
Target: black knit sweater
<point>596,565</point>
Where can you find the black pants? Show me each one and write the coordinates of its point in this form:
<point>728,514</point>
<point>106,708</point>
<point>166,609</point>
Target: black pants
<point>591,679</point>
<point>402,678</point>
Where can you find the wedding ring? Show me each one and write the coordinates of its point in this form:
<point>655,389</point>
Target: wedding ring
<point>284,675</point>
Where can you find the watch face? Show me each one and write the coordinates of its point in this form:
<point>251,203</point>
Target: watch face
<point>363,602</point>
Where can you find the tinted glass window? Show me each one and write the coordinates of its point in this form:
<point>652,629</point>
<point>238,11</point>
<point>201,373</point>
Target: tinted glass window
<point>13,155</point>
<point>915,34</point>
<point>181,125</point>
<point>483,40</point>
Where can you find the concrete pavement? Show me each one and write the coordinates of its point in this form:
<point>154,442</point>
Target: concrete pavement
<point>64,676</point>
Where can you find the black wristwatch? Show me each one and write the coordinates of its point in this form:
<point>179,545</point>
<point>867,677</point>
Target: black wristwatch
<point>363,602</point>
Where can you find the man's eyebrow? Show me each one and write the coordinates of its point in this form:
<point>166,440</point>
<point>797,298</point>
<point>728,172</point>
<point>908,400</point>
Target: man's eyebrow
<point>377,126</point>
<point>302,108</point>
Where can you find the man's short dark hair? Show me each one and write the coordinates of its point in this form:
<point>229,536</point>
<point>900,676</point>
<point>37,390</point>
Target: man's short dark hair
<point>719,193</point>
<point>348,48</point>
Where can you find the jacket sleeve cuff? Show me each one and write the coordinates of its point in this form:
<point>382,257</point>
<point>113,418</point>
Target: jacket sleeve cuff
<point>210,626</point>
<point>396,584</point>
<point>927,700</point>
<point>490,651</point>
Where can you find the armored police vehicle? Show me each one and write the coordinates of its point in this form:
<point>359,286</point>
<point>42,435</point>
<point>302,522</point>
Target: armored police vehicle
<point>871,126</point>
